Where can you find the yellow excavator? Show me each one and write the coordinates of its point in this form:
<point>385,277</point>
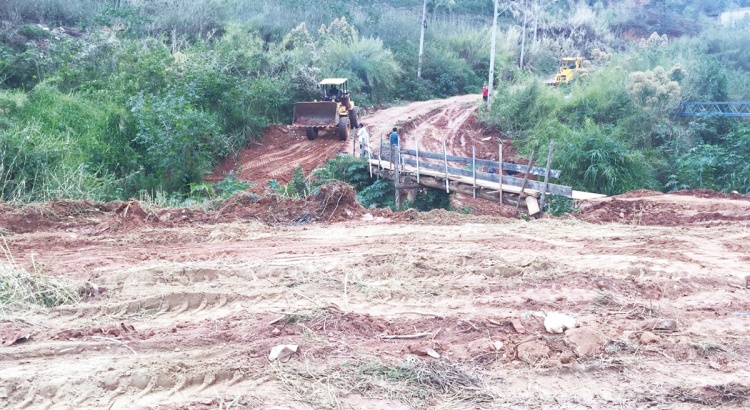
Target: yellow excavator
<point>569,68</point>
<point>334,112</point>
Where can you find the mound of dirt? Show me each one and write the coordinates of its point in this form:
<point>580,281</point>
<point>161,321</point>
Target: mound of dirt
<point>56,214</point>
<point>338,201</point>
<point>333,202</point>
<point>703,207</point>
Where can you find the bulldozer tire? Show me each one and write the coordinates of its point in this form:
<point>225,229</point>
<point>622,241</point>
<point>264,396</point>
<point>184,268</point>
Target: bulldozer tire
<point>311,133</point>
<point>343,129</point>
<point>353,122</point>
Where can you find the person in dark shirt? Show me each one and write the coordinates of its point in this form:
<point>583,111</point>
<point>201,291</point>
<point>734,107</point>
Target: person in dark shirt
<point>334,92</point>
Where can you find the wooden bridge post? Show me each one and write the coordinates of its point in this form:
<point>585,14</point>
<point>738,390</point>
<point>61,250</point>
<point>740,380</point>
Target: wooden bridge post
<point>369,155</point>
<point>445,159</point>
<point>500,173</point>
<point>396,161</point>
<point>380,157</point>
<point>474,169</point>
<point>546,175</point>
<point>417,161</point>
<point>525,178</point>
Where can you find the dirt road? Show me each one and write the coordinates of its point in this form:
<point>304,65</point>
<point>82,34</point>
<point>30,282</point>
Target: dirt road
<point>282,148</point>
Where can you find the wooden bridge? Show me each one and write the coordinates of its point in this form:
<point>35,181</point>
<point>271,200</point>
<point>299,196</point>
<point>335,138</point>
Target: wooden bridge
<point>493,180</point>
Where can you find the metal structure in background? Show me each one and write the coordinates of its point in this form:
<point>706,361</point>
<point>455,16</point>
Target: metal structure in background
<point>736,109</point>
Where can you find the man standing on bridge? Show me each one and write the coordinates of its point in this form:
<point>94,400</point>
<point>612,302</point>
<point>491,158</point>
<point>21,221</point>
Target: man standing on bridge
<point>393,137</point>
<point>364,139</point>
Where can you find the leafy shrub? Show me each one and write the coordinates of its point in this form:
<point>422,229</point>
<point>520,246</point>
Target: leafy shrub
<point>559,205</point>
<point>178,142</point>
<point>379,194</point>
<point>592,160</point>
<point>724,166</point>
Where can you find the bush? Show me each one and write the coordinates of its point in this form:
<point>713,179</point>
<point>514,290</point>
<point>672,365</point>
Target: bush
<point>591,159</point>
<point>178,142</point>
<point>63,146</point>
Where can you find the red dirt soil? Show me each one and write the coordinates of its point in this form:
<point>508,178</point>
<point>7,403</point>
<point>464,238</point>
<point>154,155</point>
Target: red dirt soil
<point>180,307</point>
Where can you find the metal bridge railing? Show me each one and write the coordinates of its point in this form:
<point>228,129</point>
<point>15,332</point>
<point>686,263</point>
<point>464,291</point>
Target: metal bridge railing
<point>736,109</point>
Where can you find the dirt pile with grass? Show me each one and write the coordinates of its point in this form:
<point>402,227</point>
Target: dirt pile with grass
<point>333,202</point>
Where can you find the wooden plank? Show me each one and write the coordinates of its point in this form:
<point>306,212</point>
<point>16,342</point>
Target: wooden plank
<point>487,185</point>
<point>507,198</point>
<point>532,205</point>
<point>555,173</point>
<point>586,195</point>
<point>484,176</point>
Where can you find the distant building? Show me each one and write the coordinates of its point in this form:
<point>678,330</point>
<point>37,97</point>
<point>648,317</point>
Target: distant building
<point>734,17</point>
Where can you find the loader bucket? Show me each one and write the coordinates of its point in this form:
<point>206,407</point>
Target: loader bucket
<point>315,114</point>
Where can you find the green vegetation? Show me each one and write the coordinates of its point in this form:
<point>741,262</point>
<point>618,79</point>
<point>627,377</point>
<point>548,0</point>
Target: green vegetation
<point>615,129</point>
<point>370,190</point>
<point>112,99</point>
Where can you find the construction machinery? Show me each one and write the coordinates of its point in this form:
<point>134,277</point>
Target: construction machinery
<point>569,68</point>
<point>335,111</point>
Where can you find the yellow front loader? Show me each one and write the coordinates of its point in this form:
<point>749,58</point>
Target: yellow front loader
<point>335,111</point>
<point>569,67</point>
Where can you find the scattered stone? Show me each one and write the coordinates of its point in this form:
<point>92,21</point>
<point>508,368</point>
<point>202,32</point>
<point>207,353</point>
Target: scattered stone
<point>566,357</point>
<point>517,326</point>
<point>420,350</point>
<point>648,338</point>
<point>275,332</point>
<point>585,343</point>
<point>497,345</point>
<point>556,322</point>
<point>282,352</point>
<point>665,326</point>
<point>19,337</point>
<point>533,352</point>
<point>424,351</point>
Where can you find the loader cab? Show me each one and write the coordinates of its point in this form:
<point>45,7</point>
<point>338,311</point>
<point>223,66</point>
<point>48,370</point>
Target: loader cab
<point>334,89</point>
<point>570,63</point>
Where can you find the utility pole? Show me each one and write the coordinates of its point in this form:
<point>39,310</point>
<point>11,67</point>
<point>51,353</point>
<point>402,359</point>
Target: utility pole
<point>421,38</point>
<point>491,80</point>
<point>523,32</point>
